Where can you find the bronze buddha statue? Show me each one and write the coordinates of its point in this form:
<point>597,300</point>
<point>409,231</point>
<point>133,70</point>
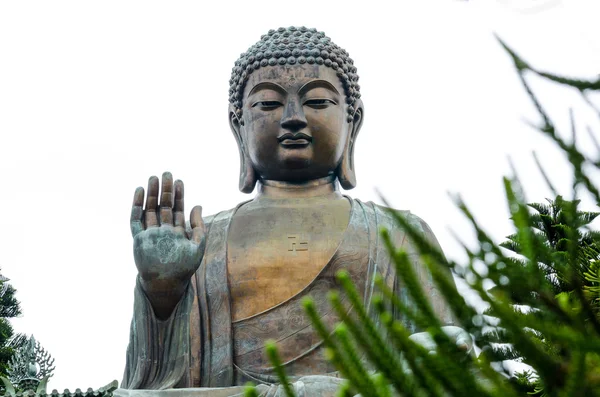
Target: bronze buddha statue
<point>211,292</point>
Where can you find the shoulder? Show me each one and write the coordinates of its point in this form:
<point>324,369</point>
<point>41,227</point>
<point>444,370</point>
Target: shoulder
<point>218,220</point>
<point>386,216</point>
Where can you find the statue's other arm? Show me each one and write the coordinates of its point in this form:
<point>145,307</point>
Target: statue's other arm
<point>438,302</point>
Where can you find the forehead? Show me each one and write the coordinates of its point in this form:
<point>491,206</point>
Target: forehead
<point>293,77</point>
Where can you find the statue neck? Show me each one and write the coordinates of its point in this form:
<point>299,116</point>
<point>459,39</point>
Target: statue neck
<point>323,188</point>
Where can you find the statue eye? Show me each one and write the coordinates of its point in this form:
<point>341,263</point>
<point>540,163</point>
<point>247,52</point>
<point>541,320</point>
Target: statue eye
<point>319,103</point>
<point>267,105</point>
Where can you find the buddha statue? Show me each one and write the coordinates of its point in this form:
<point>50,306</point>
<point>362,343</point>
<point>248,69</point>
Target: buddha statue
<point>211,291</point>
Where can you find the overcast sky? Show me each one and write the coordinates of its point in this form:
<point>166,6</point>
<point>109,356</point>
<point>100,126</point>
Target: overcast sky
<point>97,96</point>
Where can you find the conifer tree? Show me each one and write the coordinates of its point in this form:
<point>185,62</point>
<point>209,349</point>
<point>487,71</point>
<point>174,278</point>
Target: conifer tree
<point>9,308</point>
<point>552,229</point>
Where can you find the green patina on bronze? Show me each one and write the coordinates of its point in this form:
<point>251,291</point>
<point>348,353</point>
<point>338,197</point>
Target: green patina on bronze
<point>210,293</point>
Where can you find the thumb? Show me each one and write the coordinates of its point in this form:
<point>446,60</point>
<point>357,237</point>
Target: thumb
<point>197,224</point>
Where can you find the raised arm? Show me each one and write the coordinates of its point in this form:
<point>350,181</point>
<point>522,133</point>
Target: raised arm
<point>165,255</point>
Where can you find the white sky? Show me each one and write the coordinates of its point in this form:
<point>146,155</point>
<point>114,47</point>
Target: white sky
<point>97,96</point>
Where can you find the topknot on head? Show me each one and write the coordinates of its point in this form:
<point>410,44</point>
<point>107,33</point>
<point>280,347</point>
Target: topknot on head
<point>289,46</point>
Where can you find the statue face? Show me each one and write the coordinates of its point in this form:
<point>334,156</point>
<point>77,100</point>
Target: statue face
<point>295,124</point>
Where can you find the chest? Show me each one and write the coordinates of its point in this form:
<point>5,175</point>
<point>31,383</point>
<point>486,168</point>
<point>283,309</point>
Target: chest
<point>274,253</point>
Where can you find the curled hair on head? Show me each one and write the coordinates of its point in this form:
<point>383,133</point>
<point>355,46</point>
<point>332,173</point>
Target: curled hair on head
<point>290,46</point>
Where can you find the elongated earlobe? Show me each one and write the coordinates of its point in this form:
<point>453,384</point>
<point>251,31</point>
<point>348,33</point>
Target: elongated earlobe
<point>247,174</point>
<point>345,172</point>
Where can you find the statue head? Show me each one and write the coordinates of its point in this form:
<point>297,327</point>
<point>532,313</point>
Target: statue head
<point>295,109</point>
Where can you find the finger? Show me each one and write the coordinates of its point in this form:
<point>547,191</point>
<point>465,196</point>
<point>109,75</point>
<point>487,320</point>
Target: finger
<point>197,224</point>
<point>166,199</point>
<point>152,202</point>
<point>178,215</point>
<point>137,211</point>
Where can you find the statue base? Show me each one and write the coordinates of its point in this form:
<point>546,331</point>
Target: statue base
<point>191,392</point>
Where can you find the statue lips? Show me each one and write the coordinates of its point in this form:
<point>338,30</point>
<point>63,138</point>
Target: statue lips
<point>292,140</point>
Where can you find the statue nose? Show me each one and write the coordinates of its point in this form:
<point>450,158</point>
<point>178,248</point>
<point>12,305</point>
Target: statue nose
<point>293,117</point>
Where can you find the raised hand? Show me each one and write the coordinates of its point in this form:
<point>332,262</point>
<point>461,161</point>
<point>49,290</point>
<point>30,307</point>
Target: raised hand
<point>166,256</point>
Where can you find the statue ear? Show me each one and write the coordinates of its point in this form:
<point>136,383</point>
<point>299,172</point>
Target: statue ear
<point>345,172</point>
<point>247,174</point>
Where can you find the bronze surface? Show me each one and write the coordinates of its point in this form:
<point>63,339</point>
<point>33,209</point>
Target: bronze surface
<point>277,246</point>
<point>296,125</point>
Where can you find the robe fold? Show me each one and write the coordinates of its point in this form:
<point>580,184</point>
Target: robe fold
<point>200,345</point>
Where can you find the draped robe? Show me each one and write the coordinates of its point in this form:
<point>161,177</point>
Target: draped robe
<point>200,346</point>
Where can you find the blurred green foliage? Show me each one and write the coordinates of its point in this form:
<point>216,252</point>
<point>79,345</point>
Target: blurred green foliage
<point>541,287</point>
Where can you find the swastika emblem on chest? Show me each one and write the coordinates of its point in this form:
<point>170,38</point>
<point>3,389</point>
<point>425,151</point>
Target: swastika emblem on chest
<point>297,242</point>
